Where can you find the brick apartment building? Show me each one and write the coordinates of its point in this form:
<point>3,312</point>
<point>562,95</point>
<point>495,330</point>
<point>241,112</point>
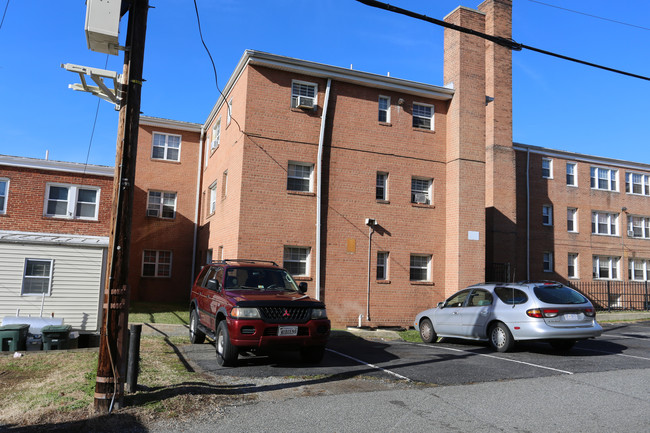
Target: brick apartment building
<point>54,228</point>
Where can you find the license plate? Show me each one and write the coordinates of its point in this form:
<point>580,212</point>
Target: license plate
<point>287,330</point>
<point>570,317</point>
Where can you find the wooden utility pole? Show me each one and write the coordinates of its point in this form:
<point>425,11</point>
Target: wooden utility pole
<point>111,370</point>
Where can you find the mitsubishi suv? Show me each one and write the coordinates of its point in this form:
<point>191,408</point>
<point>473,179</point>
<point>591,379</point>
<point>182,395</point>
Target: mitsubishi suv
<point>250,305</point>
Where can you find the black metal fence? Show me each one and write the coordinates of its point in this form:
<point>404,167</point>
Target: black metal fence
<point>615,295</point>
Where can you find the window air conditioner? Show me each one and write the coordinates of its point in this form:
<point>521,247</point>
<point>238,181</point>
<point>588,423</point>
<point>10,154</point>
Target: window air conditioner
<point>304,102</point>
<point>630,233</point>
<point>420,198</point>
<point>152,212</point>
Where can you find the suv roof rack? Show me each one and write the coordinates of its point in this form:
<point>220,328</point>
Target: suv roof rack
<point>539,281</point>
<point>226,261</point>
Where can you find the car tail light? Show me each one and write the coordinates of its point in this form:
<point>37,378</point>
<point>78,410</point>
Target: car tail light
<point>590,312</point>
<point>542,313</point>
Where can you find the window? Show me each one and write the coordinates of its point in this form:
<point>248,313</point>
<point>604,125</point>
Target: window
<point>572,220</point>
<point>547,215</point>
<point>166,146</point>
<point>548,261</point>
<point>606,267</point>
<point>213,197</point>
<point>421,190</point>
<point>572,265</point>
<point>420,267</point>
<point>637,183</point>
<point>224,185</point>
<point>72,201</point>
<point>161,204</point>
<point>571,174</point>
<point>638,269</point>
<point>216,134</point>
<point>303,95</point>
<point>208,256</point>
<point>229,115</point>
<point>37,277</point>
<point>479,298</point>
<point>382,186</point>
<point>382,265</point>
<point>296,260</point>
<point>156,263</point>
<point>423,116</point>
<point>299,176</point>
<point>384,109</point>
<point>457,300</point>
<point>603,223</point>
<point>547,168</point>
<point>604,178</point>
<point>638,227</point>
<point>4,191</point>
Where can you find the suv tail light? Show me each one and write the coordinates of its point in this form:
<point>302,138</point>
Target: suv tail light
<point>543,313</point>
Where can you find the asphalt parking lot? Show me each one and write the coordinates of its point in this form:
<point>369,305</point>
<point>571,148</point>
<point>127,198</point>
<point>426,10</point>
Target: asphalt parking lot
<point>449,362</point>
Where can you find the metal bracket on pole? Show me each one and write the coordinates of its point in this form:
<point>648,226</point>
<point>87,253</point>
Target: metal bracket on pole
<point>97,75</point>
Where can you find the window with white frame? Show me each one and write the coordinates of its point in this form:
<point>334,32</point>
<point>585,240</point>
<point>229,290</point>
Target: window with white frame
<point>161,204</point>
<point>4,192</point>
<point>382,265</point>
<point>156,263</point>
<point>303,95</point>
<point>37,277</point>
<point>296,260</point>
<point>547,215</point>
<point>638,269</point>
<point>572,265</point>
<point>216,134</point>
<point>547,261</point>
<point>422,116</point>
<point>420,267</point>
<point>547,168</point>
<point>637,183</point>
<point>381,190</point>
<point>571,174</point>
<point>572,220</point>
<point>604,179</point>
<point>229,113</point>
<point>638,227</point>
<point>71,201</point>
<point>213,197</point>
<point>384,109</point>
<point>299,176</point>
<point>606,267</point>
<point>166,147</point>
<point>421,190</point>
<point>604,223</point>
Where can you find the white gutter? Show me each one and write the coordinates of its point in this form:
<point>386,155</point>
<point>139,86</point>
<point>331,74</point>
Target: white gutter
<point>319,186</point>
<point>197,204</point>
<point>528,214</point>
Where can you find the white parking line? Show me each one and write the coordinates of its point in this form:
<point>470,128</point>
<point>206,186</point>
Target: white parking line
<point>626,336</point>
<point>615,353</point>
<point>399,376</point>
<point>495,357</point>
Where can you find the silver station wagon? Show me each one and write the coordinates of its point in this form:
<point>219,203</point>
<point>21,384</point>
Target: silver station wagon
<point>504,313</point>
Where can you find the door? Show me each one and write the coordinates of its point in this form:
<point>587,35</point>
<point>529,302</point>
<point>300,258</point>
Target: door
<point>476,313</point>
<point>447,320</point>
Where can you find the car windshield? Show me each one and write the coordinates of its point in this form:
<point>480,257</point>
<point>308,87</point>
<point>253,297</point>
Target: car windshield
<point>558,294</point>
<point>259,279</point>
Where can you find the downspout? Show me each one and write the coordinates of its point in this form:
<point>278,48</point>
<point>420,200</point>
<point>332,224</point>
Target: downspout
<point>197,204</point>
<point>372,230</point>
<point>528,214</point>
<point>319,175</point>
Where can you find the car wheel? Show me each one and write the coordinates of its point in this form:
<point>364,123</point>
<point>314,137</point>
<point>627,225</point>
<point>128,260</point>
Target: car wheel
<point>427,333</point>
<point>226,352</point>
<point>562,345</point>
<point>196,335</point>
<point>500,337</point>
<point>312,355</point>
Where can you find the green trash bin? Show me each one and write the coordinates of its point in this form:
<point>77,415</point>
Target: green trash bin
<point>56,337</point>
<point>13,337</point>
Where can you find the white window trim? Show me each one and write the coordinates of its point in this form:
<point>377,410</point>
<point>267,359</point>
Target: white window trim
<point>614,263</point>
<point>216,135</point>
<point>645,180</point>
<point>384,265</point>
<point>610,215</point>
<point>49,278</point>
<point>596,182</point>
<point>429,190</point>
<point>645,226</point>
<point>213,197</point>
<point>576,273</point>
<point>73,198</point>
<point>307,259</point>
<point>387,98</point>
<point>431,119</point>
<point>575,219</point>
<point>166,147</point>
<point>547,257</point>
<point>157,264</point>
<point>549,213</point>
<point>6,181</point>
<point>429,258</point>
<point>161,204</point>
<point>306,83</point>
<point>646,269</point>
<point>311,175</point>
<point>575,174</point>
<point>385,185</point>
<point>550,168</point>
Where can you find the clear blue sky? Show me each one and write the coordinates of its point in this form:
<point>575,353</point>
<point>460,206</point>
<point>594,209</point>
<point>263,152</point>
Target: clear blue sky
<point>557,104</point>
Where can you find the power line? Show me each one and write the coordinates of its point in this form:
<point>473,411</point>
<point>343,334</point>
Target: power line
<point>505,42</point>
<point>589,15</point>
<point>4,14</point>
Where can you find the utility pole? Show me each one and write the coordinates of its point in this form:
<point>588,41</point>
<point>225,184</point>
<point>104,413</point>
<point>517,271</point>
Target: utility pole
<point>111,369</point>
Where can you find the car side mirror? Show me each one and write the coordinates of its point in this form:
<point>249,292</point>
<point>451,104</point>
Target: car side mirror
<point>441,304</point>
<point>213,285</point>
<point>302,287</point>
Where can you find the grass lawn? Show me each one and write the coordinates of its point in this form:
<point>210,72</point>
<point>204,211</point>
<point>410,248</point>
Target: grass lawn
<point>150,312</point>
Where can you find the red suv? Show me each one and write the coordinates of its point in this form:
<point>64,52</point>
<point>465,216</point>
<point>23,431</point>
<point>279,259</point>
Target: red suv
<point>246,305</point>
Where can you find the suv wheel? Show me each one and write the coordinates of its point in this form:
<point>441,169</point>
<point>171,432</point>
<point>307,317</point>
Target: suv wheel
<point>226,351</point>
<point>500,337</point>
<point>196,335</point>
<point>427,333</point>
<point>312,355</point>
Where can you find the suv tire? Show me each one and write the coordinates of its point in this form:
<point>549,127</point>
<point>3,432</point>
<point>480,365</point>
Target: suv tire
<point>500,337</point>
<point>226,352</point>
<point>312,354</point>
<point>196,335</point>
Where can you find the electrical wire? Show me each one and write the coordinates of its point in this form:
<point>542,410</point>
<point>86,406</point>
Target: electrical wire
<point>4,14</point>
<point>505,42</point>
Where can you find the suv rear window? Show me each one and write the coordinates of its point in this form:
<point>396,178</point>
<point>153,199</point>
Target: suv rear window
<point>556,294</point>
<point>510,295</point>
